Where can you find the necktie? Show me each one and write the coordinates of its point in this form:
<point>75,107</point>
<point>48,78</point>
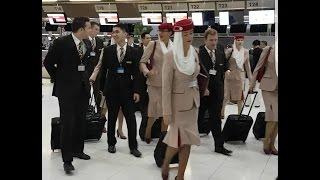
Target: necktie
<point>93,43</point>
<point>121,54</point>
<point>80,49</point>
<point>213,58</point>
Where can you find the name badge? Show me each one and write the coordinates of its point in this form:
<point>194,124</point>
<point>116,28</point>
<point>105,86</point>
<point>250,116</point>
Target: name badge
<point>81,68</point>
<point>213,72</point>
<point>129,62</point>
<point>120,70</point>
<point>193,84</point>
<point>93,54</point>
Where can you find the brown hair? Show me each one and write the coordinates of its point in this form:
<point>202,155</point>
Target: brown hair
<point>210,31</point>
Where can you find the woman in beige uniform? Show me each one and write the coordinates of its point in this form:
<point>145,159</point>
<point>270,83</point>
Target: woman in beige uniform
<point>180,97</point>
<point>269,87</point>
<point>234,81</point>
<point>154,76</point>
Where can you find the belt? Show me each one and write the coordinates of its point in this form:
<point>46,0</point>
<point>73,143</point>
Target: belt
<point>193,83</point>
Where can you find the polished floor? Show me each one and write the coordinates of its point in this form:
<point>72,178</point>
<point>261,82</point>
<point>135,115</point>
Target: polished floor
<point>248,161</point>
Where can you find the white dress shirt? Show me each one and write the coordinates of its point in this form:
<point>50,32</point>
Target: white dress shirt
<point>77,41</point>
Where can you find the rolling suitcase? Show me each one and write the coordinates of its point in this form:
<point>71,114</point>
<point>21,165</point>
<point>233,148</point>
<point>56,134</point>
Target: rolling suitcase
<point>203,126</point>
<point>160,152</point>
<point>237,127</point>
<point>95,123</point>
<point>155,129</point>
<point>259,127</point>
<point>55,133</point>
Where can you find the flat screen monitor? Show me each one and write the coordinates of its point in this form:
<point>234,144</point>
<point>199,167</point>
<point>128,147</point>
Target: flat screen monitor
<point>238,28</point>
<point>50,27</point>
<point>224,18</point>
<point>208,18</point>
<point>220,28</point>
<point>236,17</point>
<point>200,29</point>
<point>197,18</point>
<point>108,18</point>
<point>175,17</point>
<point>57,19</point>
<point>261,17</point>
<point>150,19</point>
<point>259,28</point>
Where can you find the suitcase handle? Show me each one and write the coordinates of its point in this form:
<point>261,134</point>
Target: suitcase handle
<point>255,95</point>
<point>91,99</point>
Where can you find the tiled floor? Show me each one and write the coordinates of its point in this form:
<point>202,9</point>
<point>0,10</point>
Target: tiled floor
<point>247,163</point>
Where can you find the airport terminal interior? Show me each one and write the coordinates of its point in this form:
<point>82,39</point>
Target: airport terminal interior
<point>252,19</point>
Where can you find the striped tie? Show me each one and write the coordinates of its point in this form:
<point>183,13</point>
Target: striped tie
<point>80,49</point>
<point>121,54</point>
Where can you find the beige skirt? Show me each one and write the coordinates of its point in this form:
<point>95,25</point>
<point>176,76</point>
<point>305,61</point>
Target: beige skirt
<point>183,129</point>
<point>233,89</point>
<point>155,102</point>
<point>270,99</point>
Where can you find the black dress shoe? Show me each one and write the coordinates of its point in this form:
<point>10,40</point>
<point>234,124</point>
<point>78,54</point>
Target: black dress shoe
<point>228,151</point>
<point>135,152</point>
<point>112,149</point>
<point>222,151</point>
<point>81,156</point>
<point>68,167</point>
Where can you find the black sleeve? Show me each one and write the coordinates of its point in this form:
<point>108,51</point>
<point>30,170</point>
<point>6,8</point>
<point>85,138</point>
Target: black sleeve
<point>52,59</point>
<point>103,69</point>
<point>137,87</point>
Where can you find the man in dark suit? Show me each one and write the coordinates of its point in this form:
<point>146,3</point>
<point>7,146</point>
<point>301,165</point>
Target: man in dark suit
<point>256,52</point>
<point>64,63</point>
<point>121,87</point>
<point>96,45</point>
<point>144,98</point>
<point>130,41</point>
<point>254,58</point>
<point>213,58</point>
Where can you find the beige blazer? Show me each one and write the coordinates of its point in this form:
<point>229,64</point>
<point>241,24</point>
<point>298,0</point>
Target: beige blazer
<point>155,80</point>
<point>269,81</point>
<point>96,70</point>
<point>176,93</point>
<point>235,73</point>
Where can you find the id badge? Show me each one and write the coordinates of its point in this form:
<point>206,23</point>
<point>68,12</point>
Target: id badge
<point>213,72</point>
<point>120,70</point>
<point>92,53</point>
<point>81,68</point>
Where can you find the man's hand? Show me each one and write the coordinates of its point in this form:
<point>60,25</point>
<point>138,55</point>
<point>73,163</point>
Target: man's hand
<point>207,92</point>
<point>91,81</point>
<point>166,119</point>
<point>136,97</point>
<point>251,88</point>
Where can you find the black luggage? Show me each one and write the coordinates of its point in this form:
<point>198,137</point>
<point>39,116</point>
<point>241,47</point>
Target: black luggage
<point>55,133</point>
<point>259,127</point>
<point>95,123</point>
<point>237,127</point>
<point>203,125</point>
<point>160,151</point>
<point>155,129</point>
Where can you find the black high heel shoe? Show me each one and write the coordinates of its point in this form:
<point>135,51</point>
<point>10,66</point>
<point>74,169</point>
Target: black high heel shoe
<point>120,135</point>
